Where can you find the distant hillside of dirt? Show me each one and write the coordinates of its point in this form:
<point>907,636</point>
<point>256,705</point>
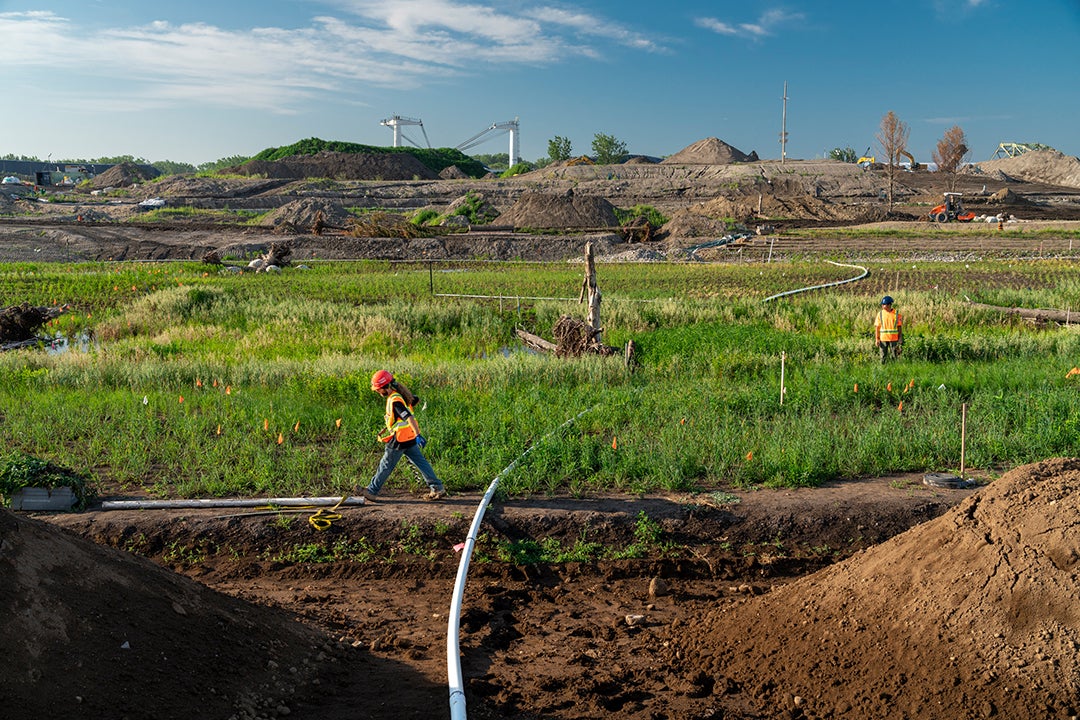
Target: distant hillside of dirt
<point>1040,166</point>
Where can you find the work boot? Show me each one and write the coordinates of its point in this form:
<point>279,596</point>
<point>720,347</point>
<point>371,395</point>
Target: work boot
<point>368,495</point>
<point>436,494</point>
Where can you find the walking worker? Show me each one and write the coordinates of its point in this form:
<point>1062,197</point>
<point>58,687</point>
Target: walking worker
<point>888,330</point>
<point>402,437</point>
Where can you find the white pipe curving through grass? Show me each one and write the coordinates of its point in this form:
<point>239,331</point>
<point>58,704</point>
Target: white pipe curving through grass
<point>864,273</point>
<point>453,652</point>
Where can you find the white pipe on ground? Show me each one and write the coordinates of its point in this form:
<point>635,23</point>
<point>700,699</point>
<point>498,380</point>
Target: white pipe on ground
<point>453,652</point>
<point>229,502</point>
<point>860,276</point>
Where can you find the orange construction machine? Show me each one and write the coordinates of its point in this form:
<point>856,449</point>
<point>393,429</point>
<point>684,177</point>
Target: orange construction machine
<point>951,209</point>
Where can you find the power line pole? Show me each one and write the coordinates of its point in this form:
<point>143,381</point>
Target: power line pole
<point>783,129</point>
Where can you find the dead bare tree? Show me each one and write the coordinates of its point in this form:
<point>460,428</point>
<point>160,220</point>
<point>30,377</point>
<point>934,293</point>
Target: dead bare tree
<point>893,137</point>
<point>590,289</point>
<point>952,151</point>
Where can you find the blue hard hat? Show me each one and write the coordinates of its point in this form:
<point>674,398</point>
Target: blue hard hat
<point>887,300</point>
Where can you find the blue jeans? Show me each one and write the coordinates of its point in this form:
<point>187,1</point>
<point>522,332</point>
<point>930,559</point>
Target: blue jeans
<point>390,459</point>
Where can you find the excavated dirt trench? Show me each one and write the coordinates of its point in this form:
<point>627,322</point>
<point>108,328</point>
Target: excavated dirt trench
<point>873,598</point>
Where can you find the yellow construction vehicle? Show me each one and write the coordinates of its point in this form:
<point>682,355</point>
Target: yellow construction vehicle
<point>867,159</point>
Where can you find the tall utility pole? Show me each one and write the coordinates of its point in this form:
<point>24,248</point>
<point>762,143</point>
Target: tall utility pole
<point>783,129</point>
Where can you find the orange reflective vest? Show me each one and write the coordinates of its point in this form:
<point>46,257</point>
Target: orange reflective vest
<point>399,429</point>
<point>888,324</point>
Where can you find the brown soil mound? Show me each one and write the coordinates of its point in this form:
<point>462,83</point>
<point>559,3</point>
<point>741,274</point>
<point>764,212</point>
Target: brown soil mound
<point>342,166</point>
<point>1039,166</point>
<point>91,632</point>
<point>710,151</point>
<point>1005,196</point>
<point>453,173</point>
<point>302,215</point>
<point>540,210</point>
<point>974,614</point>
<point>123,175</point>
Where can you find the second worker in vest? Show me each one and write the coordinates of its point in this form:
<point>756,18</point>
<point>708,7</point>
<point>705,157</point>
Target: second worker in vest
<point>888,330</point>
<point>402,437</point>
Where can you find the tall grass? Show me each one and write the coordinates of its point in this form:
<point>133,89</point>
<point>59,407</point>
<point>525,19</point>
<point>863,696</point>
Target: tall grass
<point>193,383</point>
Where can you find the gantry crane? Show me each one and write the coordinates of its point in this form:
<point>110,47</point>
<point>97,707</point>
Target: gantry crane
<point>396,121</point>
<point>510,126</point>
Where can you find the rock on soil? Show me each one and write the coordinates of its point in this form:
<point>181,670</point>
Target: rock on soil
<point>974,614</point>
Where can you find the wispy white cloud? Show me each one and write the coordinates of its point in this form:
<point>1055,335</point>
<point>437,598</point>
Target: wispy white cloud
<point>767,24</point>
<point>949,8</point>
<point>368,44</point>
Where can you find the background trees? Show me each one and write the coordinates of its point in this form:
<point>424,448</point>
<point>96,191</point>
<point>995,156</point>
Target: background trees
<point>951,152</point>
<point>893,137</point>
<point>559,148</point>
<point>608,149</point>
<point>847,154</point>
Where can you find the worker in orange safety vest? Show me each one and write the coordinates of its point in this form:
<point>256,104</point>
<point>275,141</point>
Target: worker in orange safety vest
<point>888,330</point>
<point>402,437</point>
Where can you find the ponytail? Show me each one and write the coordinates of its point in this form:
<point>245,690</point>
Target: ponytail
<point>406,394</point>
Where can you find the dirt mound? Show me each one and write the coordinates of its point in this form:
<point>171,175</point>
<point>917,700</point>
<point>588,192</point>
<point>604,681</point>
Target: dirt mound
<point>191,186</point>
<point>710,151</point>
<point>566,210</point>
<point>453,172</point>
<point>123,175</point>
<point>305,214</point>
<point>1005,196</point>
<point>973,614</point>
<point>341,166</point>
<point>1038,166</point>
<point>89,631</point>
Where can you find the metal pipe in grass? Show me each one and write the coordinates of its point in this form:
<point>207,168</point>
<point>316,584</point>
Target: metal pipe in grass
<point>453,652</point>
<point>864,273</point>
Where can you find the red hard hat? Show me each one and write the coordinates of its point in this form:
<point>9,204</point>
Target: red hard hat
<point>381,379</point>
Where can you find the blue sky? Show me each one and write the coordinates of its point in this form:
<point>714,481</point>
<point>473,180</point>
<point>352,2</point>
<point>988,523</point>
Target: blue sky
<point>195,81</point>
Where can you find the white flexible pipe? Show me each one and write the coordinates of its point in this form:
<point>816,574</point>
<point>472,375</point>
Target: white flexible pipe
<point>453,652</point>
<point>864,273</point>
<point>230,502</point>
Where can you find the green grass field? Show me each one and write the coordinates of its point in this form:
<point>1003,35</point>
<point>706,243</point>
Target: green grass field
<point>193,383</point>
